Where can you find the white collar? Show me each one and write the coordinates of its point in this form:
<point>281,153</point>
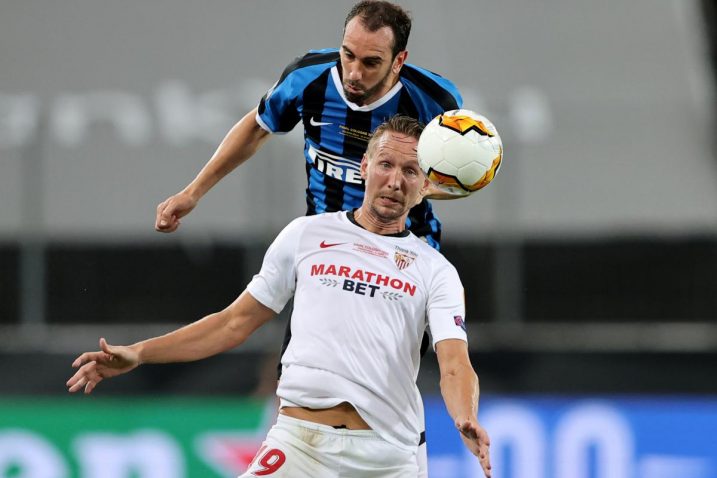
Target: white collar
<point>370,107</point>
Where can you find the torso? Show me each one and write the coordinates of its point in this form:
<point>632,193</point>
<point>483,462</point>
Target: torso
<point>362,303</point>
<point>343,415</point>
<point>336,131</point>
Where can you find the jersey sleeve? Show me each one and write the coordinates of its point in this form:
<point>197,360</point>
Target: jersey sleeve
<point>277,112</point>
<point>446,306</point>
<point>274,285</point>
<point>280,108</point>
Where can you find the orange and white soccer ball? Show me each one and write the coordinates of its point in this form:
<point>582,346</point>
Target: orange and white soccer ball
<point>460,151</point>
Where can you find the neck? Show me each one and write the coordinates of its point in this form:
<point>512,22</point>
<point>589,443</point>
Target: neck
<point>372,222</point>
<point>390,82</point>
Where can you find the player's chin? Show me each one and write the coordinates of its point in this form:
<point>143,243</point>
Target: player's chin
<point>385,208</point>
<point>390,205</point>
<point>354,95</point>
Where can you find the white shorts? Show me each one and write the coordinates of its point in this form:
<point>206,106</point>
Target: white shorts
<point>422,459</point>
<point>301,449</point>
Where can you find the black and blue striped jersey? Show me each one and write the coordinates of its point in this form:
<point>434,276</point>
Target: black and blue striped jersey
<point>336,131</point>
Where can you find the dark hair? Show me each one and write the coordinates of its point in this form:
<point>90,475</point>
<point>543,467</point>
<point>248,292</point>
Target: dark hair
<point>376,14</point>
<point>397,124</point>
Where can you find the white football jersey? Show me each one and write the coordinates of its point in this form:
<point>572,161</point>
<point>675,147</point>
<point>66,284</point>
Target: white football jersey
<point>362,302</point>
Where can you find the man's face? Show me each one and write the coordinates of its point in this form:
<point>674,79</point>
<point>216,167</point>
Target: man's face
<point>394,181</point>
<point>368,67</point>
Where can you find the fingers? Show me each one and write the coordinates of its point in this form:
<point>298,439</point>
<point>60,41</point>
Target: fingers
<point>479,443</point>
<point>91,386</point>
<point>76,381</point>
<point>166,223</point>
<point>86,358</point>
<point>105,347</point>
<point>86,377</point>
<point>166,220</point>
<point>484,458</point>
<point>79,361</point>
<point>473,431</point>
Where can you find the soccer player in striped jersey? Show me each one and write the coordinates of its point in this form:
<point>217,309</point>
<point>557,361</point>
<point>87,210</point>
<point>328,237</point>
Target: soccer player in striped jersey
<point>339,96</point>
<point>365,289</point>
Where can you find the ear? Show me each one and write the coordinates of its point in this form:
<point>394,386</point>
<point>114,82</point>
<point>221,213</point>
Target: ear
<point>364,167</point>
<point>426,186</point>
<point>424,191</point>
<point>399,61</point>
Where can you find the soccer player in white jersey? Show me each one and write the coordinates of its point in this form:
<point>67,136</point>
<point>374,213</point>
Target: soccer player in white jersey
<point>365,289</point>
<point>338,96</point>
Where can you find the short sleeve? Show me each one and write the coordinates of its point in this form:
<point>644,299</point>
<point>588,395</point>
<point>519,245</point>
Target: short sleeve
<point>446,306</point>
<point>278,110</point>
<point>275,283</point>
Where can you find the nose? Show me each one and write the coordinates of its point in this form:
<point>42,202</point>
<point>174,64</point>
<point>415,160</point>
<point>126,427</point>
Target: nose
<point>394,180</point>
<point>355,73</point>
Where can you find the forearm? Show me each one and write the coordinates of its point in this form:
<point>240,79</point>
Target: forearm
<point>241,142</point>
<point>459,386</point>
<point>209,336</point>
<point>460,391</point>
<point>434,192</point>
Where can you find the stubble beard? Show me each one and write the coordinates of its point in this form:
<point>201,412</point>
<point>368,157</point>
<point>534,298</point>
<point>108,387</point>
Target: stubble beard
<point>360,98</point>
<point>386,215</point>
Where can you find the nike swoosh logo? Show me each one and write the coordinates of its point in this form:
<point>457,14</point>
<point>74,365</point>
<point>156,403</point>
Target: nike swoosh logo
<point>313,122</point>
<point>324,245</point>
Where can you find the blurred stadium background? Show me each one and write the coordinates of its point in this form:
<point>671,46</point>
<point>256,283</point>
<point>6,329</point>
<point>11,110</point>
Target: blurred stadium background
<point>590,265</point>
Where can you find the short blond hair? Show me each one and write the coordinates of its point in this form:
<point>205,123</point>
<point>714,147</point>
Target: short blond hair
<point>397,124</point>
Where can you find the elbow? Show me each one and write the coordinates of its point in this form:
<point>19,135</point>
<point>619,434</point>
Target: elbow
<point>461,374</point>
<point>234,331</point>
<point>236,335</point>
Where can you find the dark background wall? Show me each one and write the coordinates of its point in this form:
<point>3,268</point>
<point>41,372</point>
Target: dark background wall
<point>620,316</point>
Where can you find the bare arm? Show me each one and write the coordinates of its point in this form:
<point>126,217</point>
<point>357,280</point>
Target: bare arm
<point>459,387</point>
<point>209,336</point>
<point>431,191</point>
<point>240,144</point>
<point>434,192</point>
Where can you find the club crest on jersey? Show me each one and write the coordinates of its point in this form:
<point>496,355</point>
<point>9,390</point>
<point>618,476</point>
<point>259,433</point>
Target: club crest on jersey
<point>403,258</point>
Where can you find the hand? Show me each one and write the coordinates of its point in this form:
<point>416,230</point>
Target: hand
<point>172,209</point>
<point>111,361</point>
<point>434,191</point>
<point>477,441</point>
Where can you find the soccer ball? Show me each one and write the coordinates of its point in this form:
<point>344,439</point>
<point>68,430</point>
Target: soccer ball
<point>460,151</point>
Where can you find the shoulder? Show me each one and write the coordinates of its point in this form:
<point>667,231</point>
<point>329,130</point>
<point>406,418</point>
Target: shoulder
<point>421,248</point>
<point>427,83</point>
<point>436,262</point>
<point>313,60</point>
<point>296,226</point>
<point>329,219</point>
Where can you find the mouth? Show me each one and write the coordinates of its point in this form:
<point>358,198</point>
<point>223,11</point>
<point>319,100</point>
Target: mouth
<point>353,89</point>
<point>390,201</point>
